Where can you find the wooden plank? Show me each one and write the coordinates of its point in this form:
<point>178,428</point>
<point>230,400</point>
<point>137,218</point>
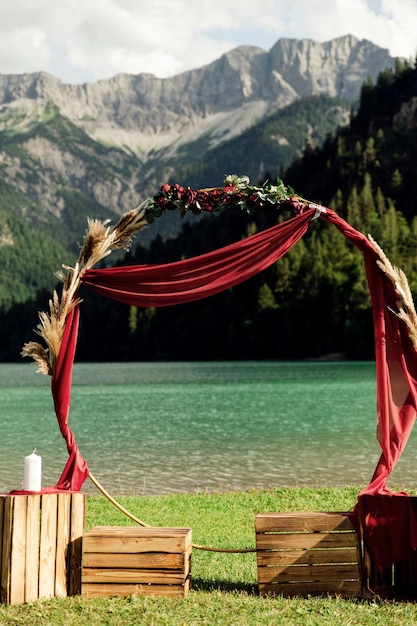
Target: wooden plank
<point>107,575</point>
<point>32,548</point>
<point>306,573</point>
<point>305,541</point>
<point>302,521</point>
<point>132,544</point>
<point>2,581</point>
<point>290,557</point>
<point>344,588</point>
<point>18,551</point>
<point>62,540</point>
<point>77,514</point>
<point>181,537</point>
<point>47,554</point>
<point>150,560</point>
<point>183,534</point>
<point>1,528</point>
<point>140,531</point>
<point>6,549</point>
<point>75,545</point>
<point>92,590</point>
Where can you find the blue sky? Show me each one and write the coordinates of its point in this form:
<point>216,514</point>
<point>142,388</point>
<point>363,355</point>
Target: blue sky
<point>87,40</point>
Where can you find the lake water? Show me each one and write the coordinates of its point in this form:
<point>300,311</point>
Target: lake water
<point>153,428</point>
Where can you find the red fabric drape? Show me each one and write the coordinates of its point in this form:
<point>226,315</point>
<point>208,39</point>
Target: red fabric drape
<point>201,276</point>
<point>388,519</point>
<point>205,275</point>
<point>76,469</point>
<point>396,363</point>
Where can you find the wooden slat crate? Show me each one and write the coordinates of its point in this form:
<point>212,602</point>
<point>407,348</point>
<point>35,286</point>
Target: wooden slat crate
<point>40,546</point>
<point>307,554</point>
<point>124,561</point>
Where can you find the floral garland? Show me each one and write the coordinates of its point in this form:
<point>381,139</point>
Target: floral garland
<point>236,191</point>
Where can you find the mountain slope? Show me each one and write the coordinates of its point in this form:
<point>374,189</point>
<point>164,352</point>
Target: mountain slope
<point>267,147</point>
<point>54,167</point>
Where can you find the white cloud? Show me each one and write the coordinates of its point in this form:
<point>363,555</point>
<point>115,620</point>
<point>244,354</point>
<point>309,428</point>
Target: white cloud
<point>86,40</point>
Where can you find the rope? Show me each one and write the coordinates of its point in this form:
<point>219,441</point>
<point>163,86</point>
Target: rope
<point>123,510</point>
<point>116,504</point>
<point>196,546</point>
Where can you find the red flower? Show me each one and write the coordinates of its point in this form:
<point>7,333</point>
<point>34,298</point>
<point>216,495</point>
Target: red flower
<point>189,196</point>
<point>295,205</point>
<point>236,198</point>
<point>178,190</point>
<point>161,201</point>
<point>203,201</point>
<point>216,197</point>
<point>254,201</point>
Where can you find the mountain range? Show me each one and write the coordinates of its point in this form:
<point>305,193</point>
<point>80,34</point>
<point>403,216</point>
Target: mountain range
<point>97,150</point>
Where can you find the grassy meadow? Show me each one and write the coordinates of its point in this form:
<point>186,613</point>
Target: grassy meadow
<point>224,590</point>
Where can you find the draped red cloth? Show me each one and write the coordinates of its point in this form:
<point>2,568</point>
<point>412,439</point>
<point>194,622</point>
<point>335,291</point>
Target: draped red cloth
<point>388,520</point>
<point>396,363</point>
<point>200,276</point>
<point>76,470</point>
<point>390,529</point>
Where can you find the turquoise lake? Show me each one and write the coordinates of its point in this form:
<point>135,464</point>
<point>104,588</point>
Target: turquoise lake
<point>153,428</point>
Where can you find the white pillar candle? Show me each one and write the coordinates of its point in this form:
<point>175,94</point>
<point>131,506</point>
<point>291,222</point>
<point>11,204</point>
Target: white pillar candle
<point>33,472</point>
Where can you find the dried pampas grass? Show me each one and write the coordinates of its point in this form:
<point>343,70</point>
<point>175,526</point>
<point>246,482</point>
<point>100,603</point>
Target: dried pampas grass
<point>99,241</point>
<point>406,310</point>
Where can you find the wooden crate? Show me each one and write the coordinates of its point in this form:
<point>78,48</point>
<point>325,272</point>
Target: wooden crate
<point>307,554</point>
<point>40,546</point>
<point>124,561</point>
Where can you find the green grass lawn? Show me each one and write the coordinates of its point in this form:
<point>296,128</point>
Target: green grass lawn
<point>224,590</point>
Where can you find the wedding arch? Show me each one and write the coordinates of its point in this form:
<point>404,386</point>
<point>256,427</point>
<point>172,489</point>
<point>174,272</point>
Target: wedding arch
<point>395,324</point>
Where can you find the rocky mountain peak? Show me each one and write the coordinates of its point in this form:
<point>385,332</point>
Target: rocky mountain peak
<point>144,113</point>
<point>338,67</point>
